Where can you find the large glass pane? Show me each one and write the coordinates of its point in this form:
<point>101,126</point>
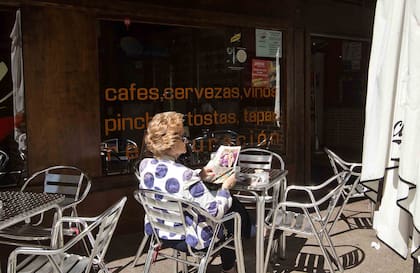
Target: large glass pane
<point>222,79</point>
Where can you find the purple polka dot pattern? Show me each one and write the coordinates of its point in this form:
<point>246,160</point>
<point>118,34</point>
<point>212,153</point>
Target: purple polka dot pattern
<point>187,175</point>
<point>197,190</point>
<point>148,229</point>
<point>201,219</point>
<point>191,240</point>
<point>142,165</point>
<point>206,233</point>
<point>206,243</point>
<point>188,220</point>
<point>212,208</point>
<point>149,180</point>
<point>161,170</point>
<point>172,185</point>
<point>166,176</point>
<point>224,193</point>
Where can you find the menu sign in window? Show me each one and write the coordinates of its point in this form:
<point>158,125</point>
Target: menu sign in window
<point>263,73</point>
<point>267,42</point>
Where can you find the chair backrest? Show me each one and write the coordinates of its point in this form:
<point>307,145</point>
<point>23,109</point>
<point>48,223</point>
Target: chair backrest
<point>107,223</point>
<point>103,226</point>
<point>110,144</point>
<point>224,137</point>
<point>4,158</point>
<point>161,207</point>
<point>320,196</point>
<point>257,158</point>
<point>67,180</point>
<point>338,165</point>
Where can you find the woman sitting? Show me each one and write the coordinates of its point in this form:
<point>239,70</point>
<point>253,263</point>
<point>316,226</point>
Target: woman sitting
<point>164,138</point>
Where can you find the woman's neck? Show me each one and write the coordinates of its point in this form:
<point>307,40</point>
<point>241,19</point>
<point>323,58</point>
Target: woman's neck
<point>167,157</point>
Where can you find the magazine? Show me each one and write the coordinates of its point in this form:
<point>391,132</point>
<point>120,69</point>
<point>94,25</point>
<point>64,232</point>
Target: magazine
<point>224,163</point>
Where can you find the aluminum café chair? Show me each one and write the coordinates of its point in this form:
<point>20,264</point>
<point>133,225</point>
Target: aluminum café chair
<point>64,260</point>
<point>353,189</point>
<point>307,217</point>
<point>4,159</point>
<point>257,158</point>
<point>145,236</point>
<point>70,181</point>
<point>165,207</point>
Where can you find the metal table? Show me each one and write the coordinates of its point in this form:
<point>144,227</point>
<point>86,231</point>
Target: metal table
<point>17,206</point>
<point>277,182</point>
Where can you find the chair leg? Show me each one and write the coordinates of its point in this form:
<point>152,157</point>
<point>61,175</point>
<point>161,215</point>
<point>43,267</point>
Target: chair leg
<point>334,252</point>
<point>203,265</point>
<point>149,258</point>
<point>240,264</point>
<point>237,240</point>
<point>140,250</point>
<point>325,253</point>
<point>184,265</point>
<point>103,267</point>
<point>269,246</point>
<point>176,254</point>
<point>372,210</point>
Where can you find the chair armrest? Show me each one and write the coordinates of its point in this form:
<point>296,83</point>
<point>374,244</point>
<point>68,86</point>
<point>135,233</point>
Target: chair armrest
<point>310,189</point>
<point>79,220</point>
<point>304,189</point>
<point>358,167</point>
<point>44,251</point>
<point>81,198</point>
<point>32,177</point>
<point>225,218</point>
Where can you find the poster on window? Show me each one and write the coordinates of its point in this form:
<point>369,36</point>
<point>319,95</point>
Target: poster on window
<point>267,42</point>
<point>263,73</point>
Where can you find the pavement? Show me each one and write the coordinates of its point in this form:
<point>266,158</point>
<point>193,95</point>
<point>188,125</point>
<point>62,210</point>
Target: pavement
<point>355,241</point>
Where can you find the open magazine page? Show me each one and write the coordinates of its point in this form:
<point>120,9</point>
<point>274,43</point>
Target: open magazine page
<point>224,162</point>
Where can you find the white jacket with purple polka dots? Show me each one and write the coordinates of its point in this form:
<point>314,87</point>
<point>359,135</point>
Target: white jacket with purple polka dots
<point>170,177</point>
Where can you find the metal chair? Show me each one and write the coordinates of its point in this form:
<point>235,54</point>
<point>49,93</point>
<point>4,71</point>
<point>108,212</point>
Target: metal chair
<point>4,160</point>
<point>251,159</point>
<point>352,189</point>
<point>119,155</point>
<point>40,259</point>
<point>256,158</point>
<point>165,207</point>
<point>70,181</point>
<point>307,217</point>
<point>145,236</point>
<point>224,137</point>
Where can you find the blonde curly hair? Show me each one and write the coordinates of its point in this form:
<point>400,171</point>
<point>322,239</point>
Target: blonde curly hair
<point>162,132</point>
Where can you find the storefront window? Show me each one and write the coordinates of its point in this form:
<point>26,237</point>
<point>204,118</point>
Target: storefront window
<point>223,80</point>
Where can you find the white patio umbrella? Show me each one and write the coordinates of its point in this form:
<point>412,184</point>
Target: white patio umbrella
<point>17,77</point>
<point>391,148</point>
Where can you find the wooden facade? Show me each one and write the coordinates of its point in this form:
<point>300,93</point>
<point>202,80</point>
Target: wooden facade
<point>61,64</point>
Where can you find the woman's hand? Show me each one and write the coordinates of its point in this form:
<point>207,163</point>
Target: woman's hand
<point>207,173</point>
<point>229,182</point>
